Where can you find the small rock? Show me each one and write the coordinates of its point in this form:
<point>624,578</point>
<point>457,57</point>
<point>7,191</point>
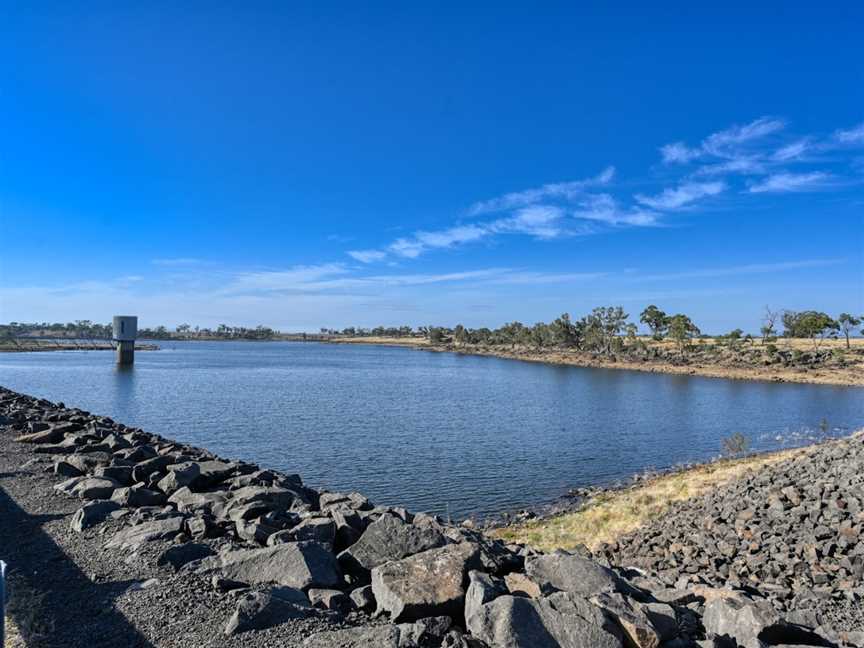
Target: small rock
<point>330,599</point>
<point>363,598</point>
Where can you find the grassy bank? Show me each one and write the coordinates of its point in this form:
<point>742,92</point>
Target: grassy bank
<point>849,371</point>
<point>613,513</point>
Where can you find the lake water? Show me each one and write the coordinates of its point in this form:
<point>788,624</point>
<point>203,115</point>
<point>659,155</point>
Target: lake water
<point>431,431</point>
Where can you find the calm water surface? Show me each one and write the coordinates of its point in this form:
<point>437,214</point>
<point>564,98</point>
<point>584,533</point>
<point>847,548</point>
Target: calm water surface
<point>430,431</point>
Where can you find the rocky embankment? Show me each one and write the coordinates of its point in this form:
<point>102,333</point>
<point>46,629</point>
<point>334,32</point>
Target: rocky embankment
<point>794,531</point>
<point>147,542</point>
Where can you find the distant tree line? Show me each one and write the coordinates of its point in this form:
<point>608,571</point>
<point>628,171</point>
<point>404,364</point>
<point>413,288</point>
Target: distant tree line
<point>378,331</point>
<point>606,330</point>
<point>75,329</point>
<point>90,330</point>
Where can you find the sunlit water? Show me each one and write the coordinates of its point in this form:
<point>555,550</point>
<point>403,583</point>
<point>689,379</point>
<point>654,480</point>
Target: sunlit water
<point>430,431</point>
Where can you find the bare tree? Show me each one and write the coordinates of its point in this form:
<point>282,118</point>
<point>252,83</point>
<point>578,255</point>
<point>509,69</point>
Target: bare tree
<point>769,324</point>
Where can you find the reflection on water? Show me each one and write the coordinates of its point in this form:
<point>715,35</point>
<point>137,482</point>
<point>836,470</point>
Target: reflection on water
<point>429,430</point>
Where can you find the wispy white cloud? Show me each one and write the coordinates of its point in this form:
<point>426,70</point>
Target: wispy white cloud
<point>744,165</point>
<point>854,135</point>
<point>679,153</point>
<point>681,195</point>
<point>539,221</point>
<point>559,191</point>
<point>790,182</point>
<point>422,241</point>
<point>792,151</point>
<point>723,144</point>
<point>367,256</point>
<point>604,208</point>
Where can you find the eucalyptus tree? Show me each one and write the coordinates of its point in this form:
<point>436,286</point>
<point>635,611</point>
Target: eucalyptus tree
<point>814,325</point>
<point>604,325</point>
<point>847,323</point>
<point>541,335</point>
<point>565,332</point>
<point>656,320</point>
<point>460,335</point>
<point>513,333</point>
<point>682,330</point>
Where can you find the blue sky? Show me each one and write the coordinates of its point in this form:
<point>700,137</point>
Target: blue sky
<point>302,166</point>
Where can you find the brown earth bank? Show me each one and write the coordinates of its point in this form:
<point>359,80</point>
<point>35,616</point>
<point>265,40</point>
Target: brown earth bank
<point>117,537</point>
<point>786,360</point>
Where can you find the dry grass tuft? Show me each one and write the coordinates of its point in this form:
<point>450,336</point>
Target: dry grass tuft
<point>13,637</point>
<point>612,514</point>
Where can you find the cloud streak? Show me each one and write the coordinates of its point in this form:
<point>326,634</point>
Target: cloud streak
<point>723,144</point>
<point>557,191</point>
<point>682,195</point>
<point>791,182</point>
<point>854,135</point>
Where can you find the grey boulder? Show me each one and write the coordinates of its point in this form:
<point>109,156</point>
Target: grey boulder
<point>426,584</point>
<point>633,621</point>
<point>88,462</point>
<point>319,529</point>
<point>568,573</point>
<point>189,502</point>
<point>212,472</point>
<point>296,564</point>
<point>51,435</point>
<point>137,496</point>
<point>95,488</point>
<point>91,514</point>
<point>388,538</point>
<point>121,474</point>
<point>482,589</point>
<point>183,554</point>
<point>134,536</point>
<point>260,610</point>
<point>752,624</point>
<point>560,620</point>
<point>179,475</point>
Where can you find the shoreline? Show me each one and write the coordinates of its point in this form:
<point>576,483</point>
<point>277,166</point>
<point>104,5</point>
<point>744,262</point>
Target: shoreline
<point>507,525</point>
<point>43,348</point>
<point>849,377</point>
